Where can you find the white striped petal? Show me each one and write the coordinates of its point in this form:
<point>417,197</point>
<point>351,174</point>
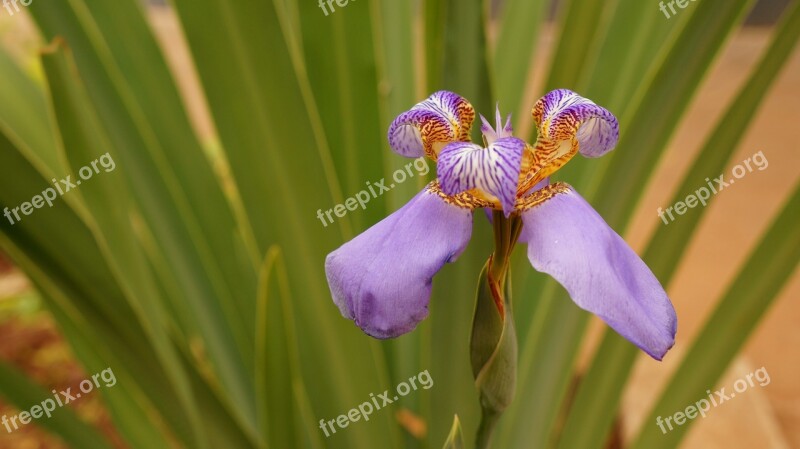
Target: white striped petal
<point>494,170</point>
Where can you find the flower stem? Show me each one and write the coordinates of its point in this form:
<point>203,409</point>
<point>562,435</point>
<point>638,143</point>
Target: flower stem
<point>506,233</point>
<point>488,422</point>
<point>498,385</point>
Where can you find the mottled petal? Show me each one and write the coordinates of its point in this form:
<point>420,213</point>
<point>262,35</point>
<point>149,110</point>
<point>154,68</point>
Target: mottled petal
<point>494,170</point>
<point>382,278</point>
<point>568,240</point>
<point>567,124</point>
<point>423,130</point>
<point>563,115</point>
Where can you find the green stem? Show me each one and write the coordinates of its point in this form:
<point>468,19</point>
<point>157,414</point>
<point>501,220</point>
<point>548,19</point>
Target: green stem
<point>488,422</point>
<point>506,233</point>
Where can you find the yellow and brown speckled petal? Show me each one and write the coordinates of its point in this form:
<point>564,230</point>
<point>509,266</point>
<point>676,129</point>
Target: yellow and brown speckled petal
<point>426,128</point>
<point>539,196</point>
<point>567,124</point>
<point>464,200</point>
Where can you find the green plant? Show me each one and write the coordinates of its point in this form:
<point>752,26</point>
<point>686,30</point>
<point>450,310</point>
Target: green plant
<point>198,275</point>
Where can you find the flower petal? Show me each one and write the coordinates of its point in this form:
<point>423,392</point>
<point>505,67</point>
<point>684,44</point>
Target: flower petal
<point>564,115</point>
<point>490,135</point>
<point>567,124</point>
<point>382,278</point>
<point>568,240</point>
<point>494,171</point>
<point>423,130</point>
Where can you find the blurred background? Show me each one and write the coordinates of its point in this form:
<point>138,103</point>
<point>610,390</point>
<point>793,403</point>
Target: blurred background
<point>767,417</point>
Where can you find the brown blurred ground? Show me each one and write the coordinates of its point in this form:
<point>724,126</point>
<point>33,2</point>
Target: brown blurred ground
<point>764,417</point>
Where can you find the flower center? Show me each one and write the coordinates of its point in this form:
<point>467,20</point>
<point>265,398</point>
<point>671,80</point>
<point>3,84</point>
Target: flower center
<point>491,135</point>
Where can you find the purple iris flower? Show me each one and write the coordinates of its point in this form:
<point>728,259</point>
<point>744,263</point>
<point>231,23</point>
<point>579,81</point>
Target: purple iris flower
<point>382,278</point>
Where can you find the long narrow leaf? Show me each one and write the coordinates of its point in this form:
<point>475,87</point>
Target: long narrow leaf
<point>758,283</point>
<point>615,356</point>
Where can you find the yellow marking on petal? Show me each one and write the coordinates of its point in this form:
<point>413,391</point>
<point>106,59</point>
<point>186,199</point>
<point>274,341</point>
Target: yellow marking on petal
<point>540,196</point>
<point>435,135</point>
<point>474,199</point>
<point>465,200</point>
<point>544,159</point>
<point>484,196</point>
<point>556,143</point>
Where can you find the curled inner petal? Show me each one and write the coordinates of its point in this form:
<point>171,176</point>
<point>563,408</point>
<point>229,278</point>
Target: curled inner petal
<point>567,124</point>
<point>426,128</point>
<point>493,171</point>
